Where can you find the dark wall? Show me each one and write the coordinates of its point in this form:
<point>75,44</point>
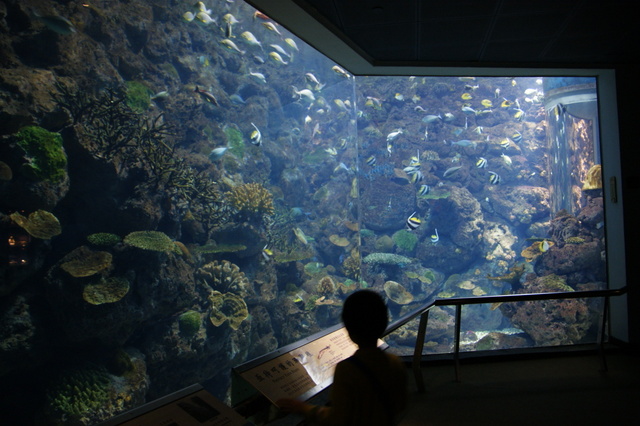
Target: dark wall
<point>628,92</point>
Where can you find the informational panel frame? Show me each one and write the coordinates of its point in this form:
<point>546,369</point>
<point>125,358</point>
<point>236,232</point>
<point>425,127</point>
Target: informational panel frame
<point>189,406</point>
<point>301,371</point>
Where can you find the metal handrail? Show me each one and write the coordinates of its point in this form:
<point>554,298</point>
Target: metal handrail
<point>423,312</point>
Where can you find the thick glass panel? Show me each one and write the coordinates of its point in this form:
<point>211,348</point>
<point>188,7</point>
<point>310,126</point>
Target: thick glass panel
<point>201,187</point>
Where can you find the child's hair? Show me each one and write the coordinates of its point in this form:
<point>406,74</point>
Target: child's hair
<point>365,315</point>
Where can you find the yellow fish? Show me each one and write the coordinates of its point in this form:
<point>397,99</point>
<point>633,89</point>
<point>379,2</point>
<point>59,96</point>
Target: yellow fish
<point>486,103</point>
<point>466,96</point>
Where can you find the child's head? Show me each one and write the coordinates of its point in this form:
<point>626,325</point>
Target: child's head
<point>365,316</point>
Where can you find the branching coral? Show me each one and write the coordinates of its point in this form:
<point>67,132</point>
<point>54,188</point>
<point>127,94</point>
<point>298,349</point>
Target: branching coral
<point>351,265</point>
<point>252,198</point>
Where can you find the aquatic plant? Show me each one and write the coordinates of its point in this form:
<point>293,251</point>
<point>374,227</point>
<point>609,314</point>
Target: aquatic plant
<point>39,224</point>
<point>224,276</point>
<point>189,323</point>
<point>47,159</point>
<point>78,392</point>
<point>405,241</point>
<point>84,262</point>
<point>386,259</point>
<point>105,239</point>
<point>152,240</point>
<point>251,198</point>
<point>105,290</point>
<point>228,307</point>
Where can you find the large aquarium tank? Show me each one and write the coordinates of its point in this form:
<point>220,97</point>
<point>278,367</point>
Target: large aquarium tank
<point>187,186</point>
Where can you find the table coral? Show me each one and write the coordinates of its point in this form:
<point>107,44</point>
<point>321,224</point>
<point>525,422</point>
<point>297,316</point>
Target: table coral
<point>39,224</point>
<point>397,293</point>
<point>152,240</point>
<point>84,262</point>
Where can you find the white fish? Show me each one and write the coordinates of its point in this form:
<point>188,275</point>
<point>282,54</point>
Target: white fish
<point>291,43</point>
<point>258,77</point>
<point>393,135</point>
<point>277,58</point>
<point>304,93</point>
<point>251,39</point>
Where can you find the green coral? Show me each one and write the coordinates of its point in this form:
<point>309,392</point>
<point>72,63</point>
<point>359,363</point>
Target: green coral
<point>405,241</point>
<point>78,392</point>
<point>105,239</point>
<point>189,323</point>
<point>138,96</point>
<point>152,240</point>
<point>386,259</point>
<point>106,290</point>
<point>47,159</point>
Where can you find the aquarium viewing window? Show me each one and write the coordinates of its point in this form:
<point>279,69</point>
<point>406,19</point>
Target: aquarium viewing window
<point>226,204</point>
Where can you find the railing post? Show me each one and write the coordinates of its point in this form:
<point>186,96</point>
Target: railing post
<point>456,353</point>
<point>601,337</point>
<point>417,352</point>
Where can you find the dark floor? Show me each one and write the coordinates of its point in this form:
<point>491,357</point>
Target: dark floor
<point>551,390</point>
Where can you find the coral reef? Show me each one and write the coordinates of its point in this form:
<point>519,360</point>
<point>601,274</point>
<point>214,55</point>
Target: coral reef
<point>405,240</point>
<point>227,307</point>
<point>224,276</point>
<point>189,323</point>
<point>46,157</point>
<point>326,286</point>
<point>251,198</point>
<point>84,262</point>
<point>39,224</point>
<point>78,394</point>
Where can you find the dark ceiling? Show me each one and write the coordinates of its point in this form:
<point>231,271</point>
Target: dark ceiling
<point>549,33</point>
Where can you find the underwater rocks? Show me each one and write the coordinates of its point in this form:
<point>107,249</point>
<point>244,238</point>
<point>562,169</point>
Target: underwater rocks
<point>521,205</point>
<point>386,204</point>
<point>551,322</point>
